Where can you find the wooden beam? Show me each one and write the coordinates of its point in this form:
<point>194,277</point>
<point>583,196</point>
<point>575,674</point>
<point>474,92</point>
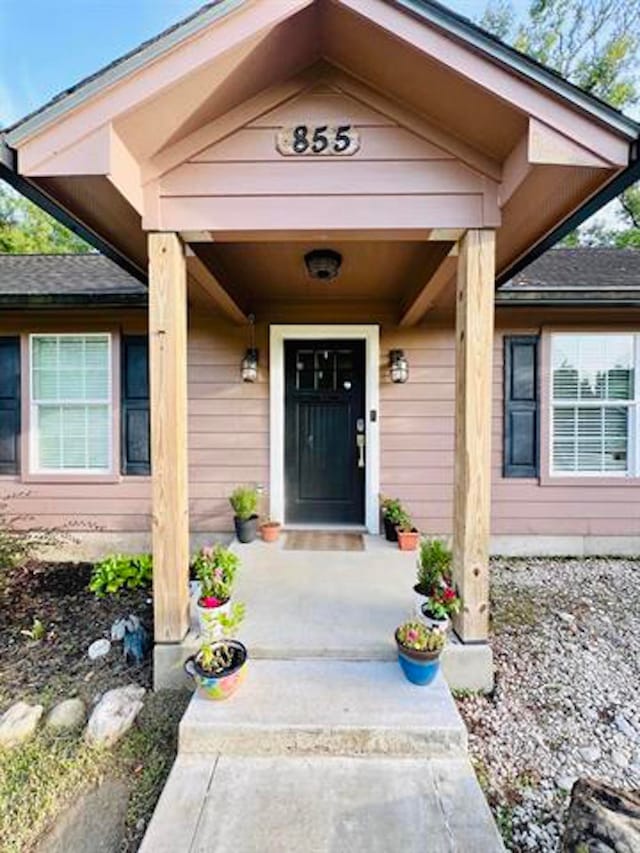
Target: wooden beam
<point>472,492</point>
<point>168,378</point>
<point>210,284</point>
<point>427,296</point>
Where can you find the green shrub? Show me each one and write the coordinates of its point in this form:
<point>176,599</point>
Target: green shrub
<point>244,501</point>
<point>434,564</point>
<point>392,509</point>
<point>121,571</point>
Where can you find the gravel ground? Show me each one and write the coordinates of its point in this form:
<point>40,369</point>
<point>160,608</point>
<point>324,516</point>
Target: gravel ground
<point>566,640</point>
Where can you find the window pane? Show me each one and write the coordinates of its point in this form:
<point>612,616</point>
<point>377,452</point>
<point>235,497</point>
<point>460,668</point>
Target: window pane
<point>45,352</point>
<point>49,435</point>
<point>98,437</point>
<point>74,437</point>
<point>590,439</point>
<point>74,371</point>
<point>592,367</point>
<point>71,352</point>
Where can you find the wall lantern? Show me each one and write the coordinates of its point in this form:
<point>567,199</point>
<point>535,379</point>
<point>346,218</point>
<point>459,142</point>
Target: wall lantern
<point>398,366</point>
<point>249,366</point>
<point>323,264</point>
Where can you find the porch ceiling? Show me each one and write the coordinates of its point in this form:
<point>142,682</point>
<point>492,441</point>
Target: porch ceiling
<point>538,148</point>
<point>384,271</point>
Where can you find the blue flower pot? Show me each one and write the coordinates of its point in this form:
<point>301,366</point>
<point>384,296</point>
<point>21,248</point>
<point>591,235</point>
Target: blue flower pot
<point>418,670</point>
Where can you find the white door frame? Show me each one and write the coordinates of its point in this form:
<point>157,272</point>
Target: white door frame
<point>370,334</point>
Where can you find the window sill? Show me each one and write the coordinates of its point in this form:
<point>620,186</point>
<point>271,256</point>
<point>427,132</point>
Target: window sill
<point>588,480</point>
<point>62,477</point>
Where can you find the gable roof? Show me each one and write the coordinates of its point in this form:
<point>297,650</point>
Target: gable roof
<point>89,279</point>
<point>430,11</point>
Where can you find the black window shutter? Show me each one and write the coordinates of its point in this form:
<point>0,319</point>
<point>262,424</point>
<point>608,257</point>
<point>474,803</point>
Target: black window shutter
<point>521,406</point>
<point>9,405</point>
<point>136,450</point>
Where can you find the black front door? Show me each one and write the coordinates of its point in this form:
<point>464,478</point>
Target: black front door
<point>324,431</point>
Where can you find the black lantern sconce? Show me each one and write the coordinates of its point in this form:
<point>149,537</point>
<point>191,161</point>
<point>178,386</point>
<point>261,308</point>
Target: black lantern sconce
<point>249,366</point>
<point>398,366</point>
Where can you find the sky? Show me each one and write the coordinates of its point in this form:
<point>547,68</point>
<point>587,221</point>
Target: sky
<point>48,45</point>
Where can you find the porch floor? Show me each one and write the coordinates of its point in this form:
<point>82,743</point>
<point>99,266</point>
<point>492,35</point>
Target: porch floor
<point>326,747</point>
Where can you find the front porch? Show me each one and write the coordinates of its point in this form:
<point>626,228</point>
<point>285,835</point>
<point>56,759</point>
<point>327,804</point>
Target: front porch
<point>335,605</point>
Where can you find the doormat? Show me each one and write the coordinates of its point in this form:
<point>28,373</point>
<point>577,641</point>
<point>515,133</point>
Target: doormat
<point>319,540</point>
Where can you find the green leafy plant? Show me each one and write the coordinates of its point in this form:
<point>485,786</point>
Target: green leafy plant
<point>392,509</point>
<point>443,601</point>
<point>404,522</point>
<point>215,567</point>
<point>419,637</point>
<point>244,501</point>
<point>434,564</point>
<point>121,571</point>
<point>37,632</point>
<point>230,622</point>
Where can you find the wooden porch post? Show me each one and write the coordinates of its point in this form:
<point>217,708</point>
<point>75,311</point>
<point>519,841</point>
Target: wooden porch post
<point>472,506</point>
<point>168,380</point>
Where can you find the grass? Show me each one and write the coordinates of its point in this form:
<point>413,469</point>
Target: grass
<point>40,778</point>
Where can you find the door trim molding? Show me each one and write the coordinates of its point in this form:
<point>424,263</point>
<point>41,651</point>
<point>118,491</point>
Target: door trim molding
<point>278,334</point>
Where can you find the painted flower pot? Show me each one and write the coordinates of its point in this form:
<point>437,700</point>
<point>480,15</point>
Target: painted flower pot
<point>408,539</point>
<point>270,531</point>
<point>438,624</point>
<point>419,667</point>
<point>219,687</point>
<point>390,531</point>
<point>210,628</point>
<point>246,528</point>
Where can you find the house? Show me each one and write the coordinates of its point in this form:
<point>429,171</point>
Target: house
<point>333,188</point>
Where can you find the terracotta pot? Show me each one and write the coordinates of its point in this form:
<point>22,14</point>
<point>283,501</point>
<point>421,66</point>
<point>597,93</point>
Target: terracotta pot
<point>220,686</point>
<point>408,539</point>
<point>270,531</point>
<point>210,628</point>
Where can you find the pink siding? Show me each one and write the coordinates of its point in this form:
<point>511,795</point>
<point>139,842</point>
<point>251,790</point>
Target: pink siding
<point>229,442</point>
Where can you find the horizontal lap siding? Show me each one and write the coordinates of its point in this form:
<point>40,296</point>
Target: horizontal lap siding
<point>228,420</point>
<point>417,441</point>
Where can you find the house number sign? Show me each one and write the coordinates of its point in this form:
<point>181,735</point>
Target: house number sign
<point>318,140</point>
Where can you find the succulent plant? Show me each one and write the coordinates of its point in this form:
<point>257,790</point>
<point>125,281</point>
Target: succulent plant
<point>419,637</point>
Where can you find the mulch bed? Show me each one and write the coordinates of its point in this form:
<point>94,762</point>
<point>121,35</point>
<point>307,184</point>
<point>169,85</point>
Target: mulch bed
<point>58,665</point>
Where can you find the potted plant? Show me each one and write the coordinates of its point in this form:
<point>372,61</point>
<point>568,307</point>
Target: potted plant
<point>391,516</point>
<point>270,530</point>
<point>219,667</point>
<point>215,568</point>
<point>244,501</point>
<point>419,649</point>
<point>408,535</point>
<point>441,604</point>
<point>434,567</point>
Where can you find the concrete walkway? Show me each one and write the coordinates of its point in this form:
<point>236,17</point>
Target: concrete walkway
<point>326,748</point>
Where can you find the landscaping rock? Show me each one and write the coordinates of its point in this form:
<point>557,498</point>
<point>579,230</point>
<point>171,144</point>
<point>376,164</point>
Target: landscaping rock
<point>98,649</point>
<point>66,715</point>
<point>602,818</point>
<point>19,723</point>
<point>114,715</point>
<point>590,754</point>
<point>95,823</point>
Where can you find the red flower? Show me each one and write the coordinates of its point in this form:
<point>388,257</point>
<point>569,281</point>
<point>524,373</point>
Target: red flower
<point>449,594</point>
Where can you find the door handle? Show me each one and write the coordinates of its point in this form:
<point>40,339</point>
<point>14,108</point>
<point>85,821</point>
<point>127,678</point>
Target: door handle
<point>360,446</point>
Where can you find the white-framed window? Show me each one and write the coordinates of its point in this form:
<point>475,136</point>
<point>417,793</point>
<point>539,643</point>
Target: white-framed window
<point>71,403</point>
<point>594,404</point>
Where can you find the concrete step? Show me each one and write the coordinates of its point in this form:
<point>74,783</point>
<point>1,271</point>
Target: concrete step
<point>326,707</point>
<point>235,804</point>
